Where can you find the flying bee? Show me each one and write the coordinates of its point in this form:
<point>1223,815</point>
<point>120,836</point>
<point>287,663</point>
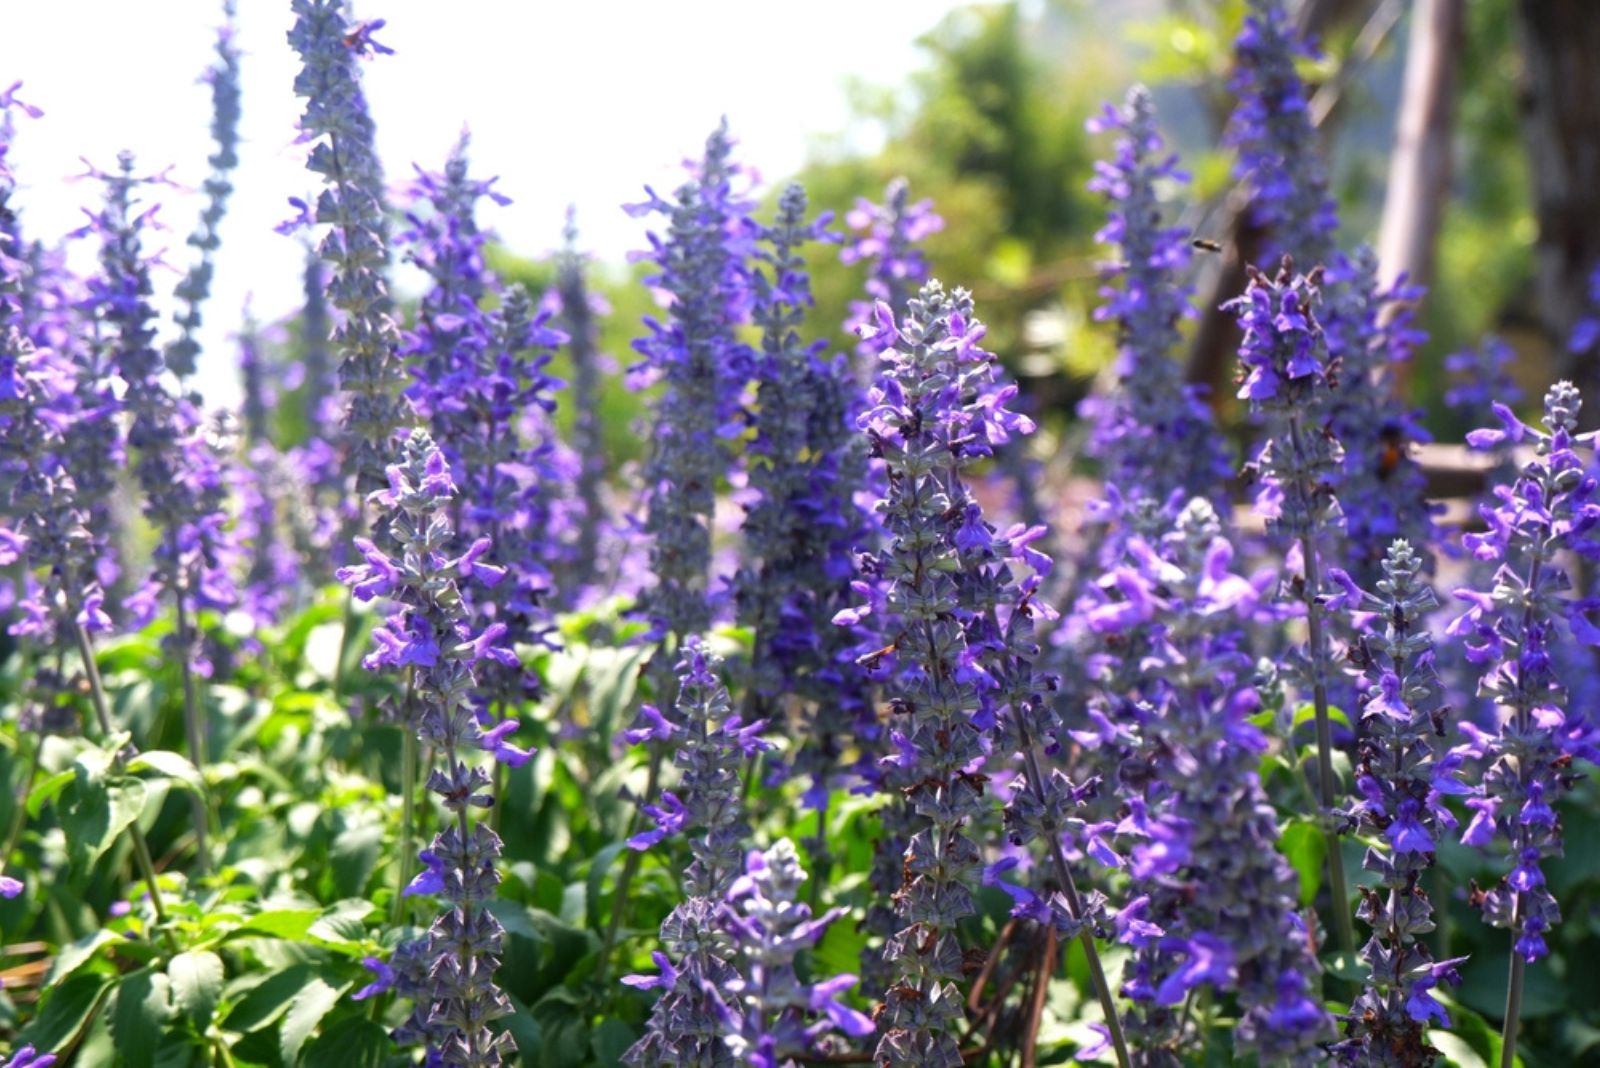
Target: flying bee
<point>1205,244</point>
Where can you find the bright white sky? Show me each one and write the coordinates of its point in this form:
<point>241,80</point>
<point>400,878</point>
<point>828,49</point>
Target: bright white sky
<point>579,101</point>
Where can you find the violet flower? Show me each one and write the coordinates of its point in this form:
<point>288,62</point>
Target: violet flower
<point>703,368</point>
<point>1510,630</point>
<point>428,637</point>
<point>929,418</point>
<point>1155,435</point>
<point>223,78</point>
<point>775,1017</point>
<point>1222,908</point>
<point>891,236</point>
<point>479,381</point>
<point>337,122</point>
<point>1403,782</point>
<point>578,310</point>
<point>712,746</point>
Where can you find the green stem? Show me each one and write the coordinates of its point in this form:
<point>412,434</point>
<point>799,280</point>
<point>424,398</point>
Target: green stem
<point>1069,888</point>
<point>345,629</point>
<point>1327,784</point>
<point>194,731</point>
<point>19,816</point>
<point>1508,1036</point>
<point>97,695</point>
<point>408,796</point>
<point>630,868</point>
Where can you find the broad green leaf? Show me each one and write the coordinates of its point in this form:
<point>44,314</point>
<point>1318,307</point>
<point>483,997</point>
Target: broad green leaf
<point>354,856</point>
<point>262,1006</point>
<point>170,765</point>
<point>98,812</point>
<point>47,790</point>
<point>196,985</point>
<point>598,868</point>
<point>144,1006</point>
<point>610,1041</point>
<point>1458,1053</point>
<point>67,1012</point>
<point>291,924</point>
<point>1305,848</point>
<point>314,1001</point>
<point>353,1042</point>
<point>79,953</point>
<point>342,925</point>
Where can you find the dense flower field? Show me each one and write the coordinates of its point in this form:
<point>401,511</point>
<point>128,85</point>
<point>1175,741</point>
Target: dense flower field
<point>825,735</point>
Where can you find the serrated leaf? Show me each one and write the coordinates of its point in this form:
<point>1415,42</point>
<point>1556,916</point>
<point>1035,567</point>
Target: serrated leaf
<point>76,955</point>
<point>171,766</point>
<point>314,1001</point>
<point>262,1006</point>
<point>196,984</point>
<point>144,1006</point>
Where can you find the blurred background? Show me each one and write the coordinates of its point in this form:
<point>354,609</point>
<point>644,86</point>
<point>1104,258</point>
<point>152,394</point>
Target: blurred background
<point>981,106</point>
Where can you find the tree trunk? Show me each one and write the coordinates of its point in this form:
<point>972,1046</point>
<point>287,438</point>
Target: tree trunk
<point>1560,103</point>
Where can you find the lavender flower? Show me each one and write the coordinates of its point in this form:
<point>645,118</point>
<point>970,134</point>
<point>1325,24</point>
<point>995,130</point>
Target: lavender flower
<point>1510,630</point>
<point>712,745</point>
<point>177,465</point>
<point>449,973</point>
<point>1283,360</point>
<point>1480,377</point>
<point>776,1016</point>
<point>704,369</point>
<point>30,1057</point>
<point>356,246</point>
<point>1155,435</point>
<point>1584,341</point>
<point>890,244</point>
<point>1277,144</point>
<point>196,285</point>
<point>578,308</point>
<point>1216,903</point>
<point>477,373</point>
<point>804,466</point>
<point>1403,783</point>
<point>931,416</point>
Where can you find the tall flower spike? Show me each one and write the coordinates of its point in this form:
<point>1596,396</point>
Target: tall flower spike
<point>449,972</point>
<point>1155,434</point>
<point>1277,144</point>
<point>1403,783</point>
<point>1283,360</point>
<point>704,369</point>
<point>1511,630</point>
<point>343,153</point>
<point>480,382</point>
<point>577,317</point>
<point>929,417</point>
<point>890,241</point>
<point>192,292</point>
<point>1215,903</point>
<point>776,1016</point>
<point>712,746</point>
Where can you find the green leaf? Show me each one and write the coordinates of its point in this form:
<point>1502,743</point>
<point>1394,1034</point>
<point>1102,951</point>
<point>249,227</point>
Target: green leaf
<point>47,790</point>
<point>610,1041</point>
<point>144,1006</point>
<point>196,985</point>
<point>1346,965</point>
<point>314,1001</point>
<point>289,924</point>
<point>262,1006</point>
<point>1305,848</point>
<point>597,873</point>
<point>98,812</point>
<point>563,1028</point>
<point>79,953</point>
<point>342,925</point>
<point>353,1042</point>
<point>170,766</point>
<point>1457,1051</point>
<point>1307,713</point>
<point>354,856</point>
<point>67,1012</point>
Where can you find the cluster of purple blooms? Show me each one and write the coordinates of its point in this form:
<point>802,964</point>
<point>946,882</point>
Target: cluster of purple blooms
<point>892,624</point>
